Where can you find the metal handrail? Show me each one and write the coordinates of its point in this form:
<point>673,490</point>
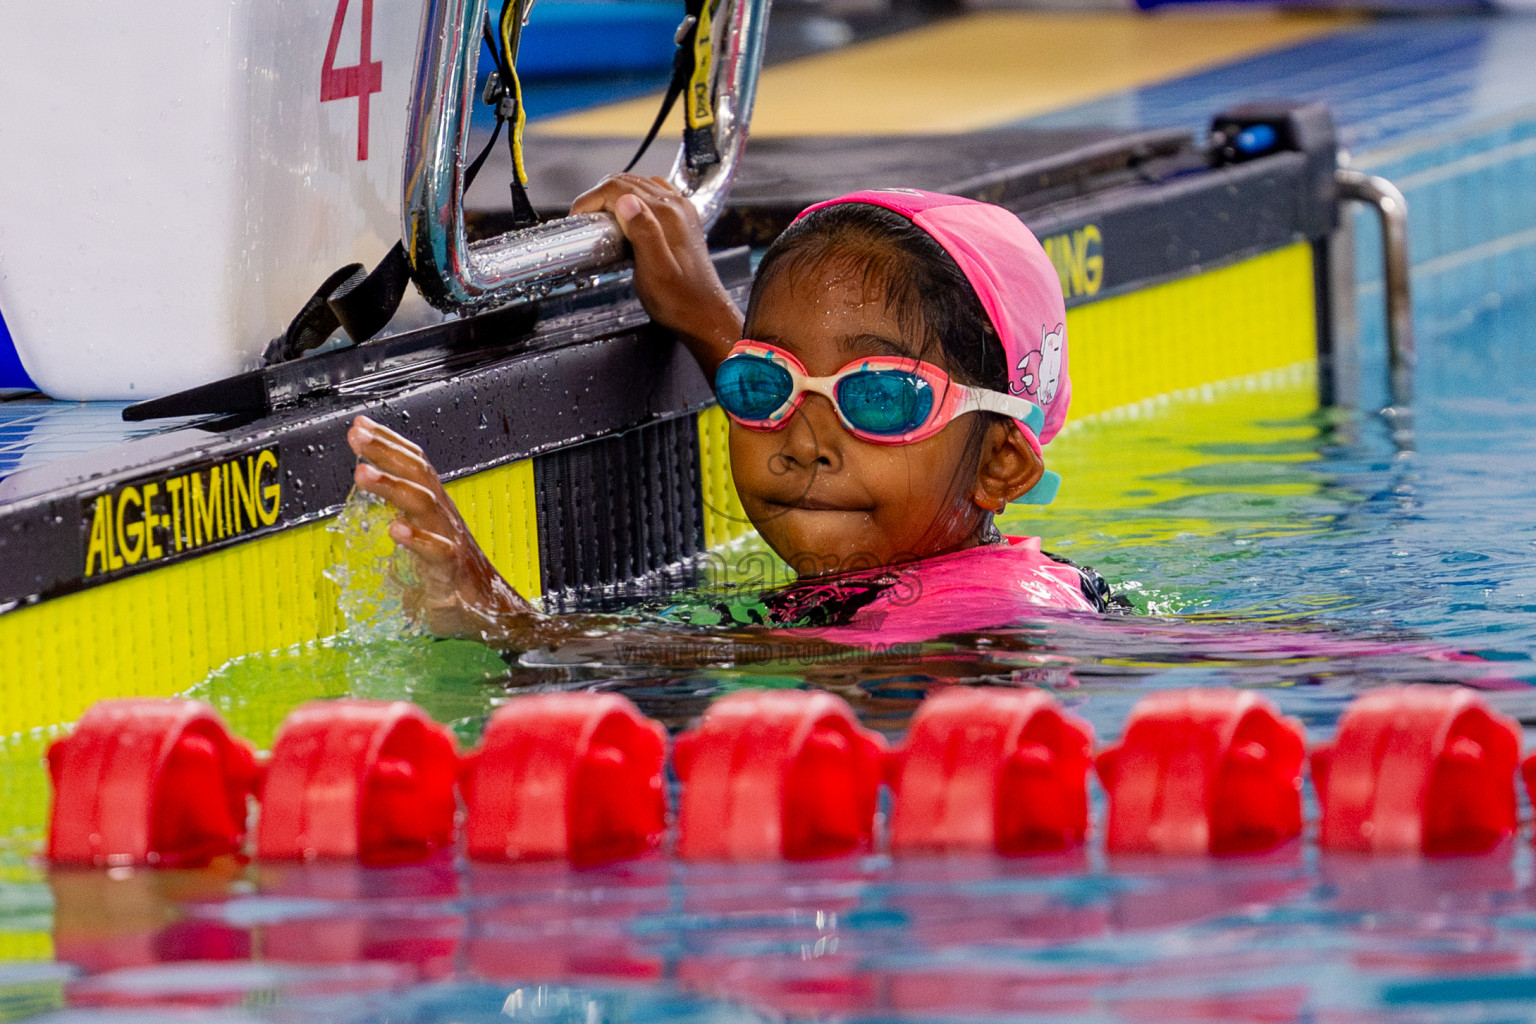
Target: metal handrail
<point>1392,208</point>
<point>457,275</point>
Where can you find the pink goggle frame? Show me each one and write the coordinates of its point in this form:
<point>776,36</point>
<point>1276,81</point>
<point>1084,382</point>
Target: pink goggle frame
<point>950,399</point>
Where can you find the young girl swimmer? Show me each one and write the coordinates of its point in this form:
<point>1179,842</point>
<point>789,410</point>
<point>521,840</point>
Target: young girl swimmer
<point>902,363</point>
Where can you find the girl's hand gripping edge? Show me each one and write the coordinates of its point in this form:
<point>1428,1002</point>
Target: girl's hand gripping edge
<point>675,278</point>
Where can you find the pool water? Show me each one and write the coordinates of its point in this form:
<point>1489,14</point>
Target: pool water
<point>1265,543</point>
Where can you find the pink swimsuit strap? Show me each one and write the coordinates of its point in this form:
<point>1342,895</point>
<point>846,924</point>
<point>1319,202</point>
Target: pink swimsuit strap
<point>986,586</point>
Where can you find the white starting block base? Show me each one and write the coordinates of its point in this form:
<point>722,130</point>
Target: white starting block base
<point>176,178</point>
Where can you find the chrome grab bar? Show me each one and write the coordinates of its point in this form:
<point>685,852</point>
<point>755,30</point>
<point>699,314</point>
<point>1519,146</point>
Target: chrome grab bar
<point>1392,209</point>
<point>457,275</point>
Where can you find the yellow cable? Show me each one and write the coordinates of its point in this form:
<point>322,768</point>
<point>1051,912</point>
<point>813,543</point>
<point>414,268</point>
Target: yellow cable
<point>517,128</point>
<point>511,27</point>
<point>510,12</point>
<point>698,104</point>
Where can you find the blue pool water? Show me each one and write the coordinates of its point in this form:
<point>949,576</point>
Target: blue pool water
<point>1307,553</point>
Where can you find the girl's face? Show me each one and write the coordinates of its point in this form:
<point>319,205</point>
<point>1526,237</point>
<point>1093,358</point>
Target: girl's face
<point>823,499</point>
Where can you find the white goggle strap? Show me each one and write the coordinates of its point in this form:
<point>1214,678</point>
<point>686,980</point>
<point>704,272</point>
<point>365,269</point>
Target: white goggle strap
<point>1014,407</point>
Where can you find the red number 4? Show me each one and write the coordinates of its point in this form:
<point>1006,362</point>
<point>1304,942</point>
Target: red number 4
<point>361,79</point>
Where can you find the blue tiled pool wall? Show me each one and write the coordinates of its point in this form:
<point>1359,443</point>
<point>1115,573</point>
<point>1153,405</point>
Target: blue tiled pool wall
<point>1387,82</point>
<point>1446,108</point>
<point>35,431</point>
<point>1472,236</point>
<point>1469,198</point>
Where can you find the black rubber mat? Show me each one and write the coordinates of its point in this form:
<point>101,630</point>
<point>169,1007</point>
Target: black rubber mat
<point>622,508</point>
<point>780,176</point>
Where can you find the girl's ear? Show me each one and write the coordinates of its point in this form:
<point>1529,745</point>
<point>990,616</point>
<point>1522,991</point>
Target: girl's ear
<point>1008,468</point>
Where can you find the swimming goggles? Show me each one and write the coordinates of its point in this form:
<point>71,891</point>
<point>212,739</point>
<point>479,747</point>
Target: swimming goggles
<point>882,399</point>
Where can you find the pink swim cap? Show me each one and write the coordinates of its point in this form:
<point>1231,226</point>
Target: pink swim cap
<point>1018,287</point>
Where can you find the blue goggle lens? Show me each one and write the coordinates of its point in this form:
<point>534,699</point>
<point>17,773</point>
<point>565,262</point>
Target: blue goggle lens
<point>885,402</point>
<point>751,387</point>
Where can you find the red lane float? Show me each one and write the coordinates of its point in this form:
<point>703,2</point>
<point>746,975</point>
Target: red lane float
<point>1203,771</point>
<point>991,770</point>
<point>780,774</point>
<point>372,780</point>
<point>149,782</point>
<point>1418,769</point>
<point>777,773</point>
<point>566,775</point>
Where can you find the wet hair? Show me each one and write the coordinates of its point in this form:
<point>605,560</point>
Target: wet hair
<point>933,301</point>
<point>924,288</point>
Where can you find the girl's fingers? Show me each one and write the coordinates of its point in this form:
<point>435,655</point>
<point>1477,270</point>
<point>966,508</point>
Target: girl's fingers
<point>603,195</point>
<point>607,194</point>
<point>657,188</point>
<point>435,550</point>
<point>394,455</point>
<point>366,437</point>
<point>419,503</point>
<point>401,462</point>
<point>647,236</point>
<point>654,188</point>
<point>365,430</point>
<point>663,197</point>
<point>590,201</point>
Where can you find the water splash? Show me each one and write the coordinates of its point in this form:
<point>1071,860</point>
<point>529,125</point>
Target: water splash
<point>381,653</point>
<point>380,646</point>
<point>370,571</point>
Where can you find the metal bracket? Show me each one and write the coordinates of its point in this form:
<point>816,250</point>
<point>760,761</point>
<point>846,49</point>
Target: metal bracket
<point>456,275</point>
<point>1392,208</point>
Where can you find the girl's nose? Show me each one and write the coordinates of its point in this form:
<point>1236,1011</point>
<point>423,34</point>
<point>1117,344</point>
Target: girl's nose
<point>814,437</point>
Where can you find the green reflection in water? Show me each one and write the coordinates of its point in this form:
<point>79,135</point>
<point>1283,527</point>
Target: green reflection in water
<point>1177,501</point>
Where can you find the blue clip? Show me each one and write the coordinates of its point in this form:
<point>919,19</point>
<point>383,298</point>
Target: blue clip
<point>1044,491</point>
<point>1035,420</point>
<point>1256,140</point>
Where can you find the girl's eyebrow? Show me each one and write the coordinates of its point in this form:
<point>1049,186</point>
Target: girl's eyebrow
<point>861,344</point>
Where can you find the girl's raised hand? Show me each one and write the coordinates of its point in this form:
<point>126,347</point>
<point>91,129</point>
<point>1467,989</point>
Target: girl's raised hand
<point>674,276</point>
<point>457,591</point>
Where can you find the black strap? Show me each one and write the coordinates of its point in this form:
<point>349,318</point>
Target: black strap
<point>699,149</point>
<point>523,213</point>
<point>698,143</point>
<point>473,169</point>
<point>357,301</point>
<point>363,305</point>
<point>682,69</point>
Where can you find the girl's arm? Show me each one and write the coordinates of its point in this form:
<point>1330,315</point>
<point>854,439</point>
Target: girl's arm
<point>674,276</point>
<point>457,592</point>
